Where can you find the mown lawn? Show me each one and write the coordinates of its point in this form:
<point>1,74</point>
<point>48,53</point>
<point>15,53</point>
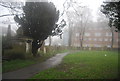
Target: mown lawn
<point>21,63</point>
<point>84,65</point>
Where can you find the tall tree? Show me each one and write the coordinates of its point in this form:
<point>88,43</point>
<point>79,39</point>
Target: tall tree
<point>7,40</point>
<point>112,11</point>
<point>9,32</point>
<point>38,22</point>
<point>80,17</point>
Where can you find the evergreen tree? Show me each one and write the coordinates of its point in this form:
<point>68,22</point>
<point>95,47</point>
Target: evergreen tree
<point>112,11</point>
<point>38,22</point>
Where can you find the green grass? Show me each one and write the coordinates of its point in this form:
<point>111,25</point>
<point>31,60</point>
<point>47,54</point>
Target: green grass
<point>19,63</point>
<point>15,64</point>
<point>84,65</point>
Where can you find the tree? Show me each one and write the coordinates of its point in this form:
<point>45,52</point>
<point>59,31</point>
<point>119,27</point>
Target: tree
<point>112,11</point>
<point>79,17</point>
<point>9,32</point>
<point>38,22</point>
<point>7,40</point>
<point>14,8</point>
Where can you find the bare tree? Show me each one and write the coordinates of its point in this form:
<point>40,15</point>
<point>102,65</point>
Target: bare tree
<point>80,18</point>
<point>14,8</point>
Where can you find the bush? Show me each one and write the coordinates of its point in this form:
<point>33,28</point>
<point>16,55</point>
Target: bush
<point>15,54</point>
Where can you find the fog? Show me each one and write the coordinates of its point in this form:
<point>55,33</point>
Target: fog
<point>78,14</point>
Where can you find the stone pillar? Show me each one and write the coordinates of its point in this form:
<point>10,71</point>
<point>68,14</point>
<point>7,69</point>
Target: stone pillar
<point>44,49</point>
<point>27,47</point>
<point>89,48</point>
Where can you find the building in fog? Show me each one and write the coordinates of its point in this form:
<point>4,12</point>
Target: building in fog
<point>95,37</point>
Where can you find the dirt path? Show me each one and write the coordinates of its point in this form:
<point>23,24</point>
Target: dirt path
<point>28,72</point>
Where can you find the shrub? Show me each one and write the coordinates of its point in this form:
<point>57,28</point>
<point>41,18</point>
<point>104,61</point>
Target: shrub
<point>15,54</point>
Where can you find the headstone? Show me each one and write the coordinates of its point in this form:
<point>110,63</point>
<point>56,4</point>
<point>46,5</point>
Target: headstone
<point>89,48</point>
<point>38,49</point>
<point>44,49</point>
<point>27,47</point>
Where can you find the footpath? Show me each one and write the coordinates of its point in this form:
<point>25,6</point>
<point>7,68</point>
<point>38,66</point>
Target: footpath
<point>30,71</point>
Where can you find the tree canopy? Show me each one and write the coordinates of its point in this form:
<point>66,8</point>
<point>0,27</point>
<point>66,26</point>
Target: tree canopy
<point>38,22</point>
<point>112,11</point>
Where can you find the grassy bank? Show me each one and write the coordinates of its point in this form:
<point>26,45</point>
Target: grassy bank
<point>84,65</point>
<point>29,60</point>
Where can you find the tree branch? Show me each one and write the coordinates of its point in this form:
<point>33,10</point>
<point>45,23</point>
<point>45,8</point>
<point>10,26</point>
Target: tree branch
<point>64,8</point>
<point>7,15</point>
<point>10,7</point>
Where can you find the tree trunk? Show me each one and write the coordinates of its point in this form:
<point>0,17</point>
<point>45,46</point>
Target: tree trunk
<point>35,46</point>
<point>81,46</point>
<point>81,33</point>
<point>80,36</point>
<point>70,36</point>
<point>112,41</point>
<point>50,40</point>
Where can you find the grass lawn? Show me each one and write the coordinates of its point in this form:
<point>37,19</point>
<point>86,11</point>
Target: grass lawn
<point>15,64</point>
<point>19,63</point>
<point>84,65</point>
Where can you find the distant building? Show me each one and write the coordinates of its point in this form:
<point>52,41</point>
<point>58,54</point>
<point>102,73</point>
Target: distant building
<point>95,37</point>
